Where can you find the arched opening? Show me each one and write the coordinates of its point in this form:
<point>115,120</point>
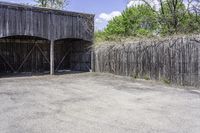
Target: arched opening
<point>72,54</point>
<point>24,54</point>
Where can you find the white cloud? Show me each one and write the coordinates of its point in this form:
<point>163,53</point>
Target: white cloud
<point>109,16</point>
<point>98,20</point>
<point>103,18</point>
<point>134,3</point>
<point>153,3</point>
<point>156,3</point>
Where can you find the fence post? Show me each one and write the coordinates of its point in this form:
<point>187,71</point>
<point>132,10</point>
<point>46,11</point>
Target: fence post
<point>92,60</point>
<point>52,58</point>
<point>198,84</point>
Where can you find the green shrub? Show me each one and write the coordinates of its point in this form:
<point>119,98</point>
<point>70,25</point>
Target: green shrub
<point>166,81</point>
<point>146,77</point>
<point>135,76</point>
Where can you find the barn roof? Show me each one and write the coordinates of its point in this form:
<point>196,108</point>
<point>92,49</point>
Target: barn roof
<point>41,9</point>
<point>52,24</point>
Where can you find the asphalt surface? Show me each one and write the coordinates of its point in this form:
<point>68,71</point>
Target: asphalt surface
<point>96,103</point>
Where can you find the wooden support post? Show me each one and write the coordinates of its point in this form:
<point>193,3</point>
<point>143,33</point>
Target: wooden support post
<point>52,58</point>
<point>198,84</point>
<point>92,60</point>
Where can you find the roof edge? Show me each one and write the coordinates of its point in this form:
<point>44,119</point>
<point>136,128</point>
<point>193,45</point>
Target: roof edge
<point>44,9</point>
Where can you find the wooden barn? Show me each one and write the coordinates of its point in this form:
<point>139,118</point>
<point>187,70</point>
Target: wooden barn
<point>39,40</point>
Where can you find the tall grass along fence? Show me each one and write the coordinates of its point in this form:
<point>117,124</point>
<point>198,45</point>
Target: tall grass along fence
<point>172,60</point>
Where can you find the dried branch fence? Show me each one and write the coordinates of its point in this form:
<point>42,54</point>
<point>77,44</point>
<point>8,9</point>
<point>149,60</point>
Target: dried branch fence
<point>173,60</point>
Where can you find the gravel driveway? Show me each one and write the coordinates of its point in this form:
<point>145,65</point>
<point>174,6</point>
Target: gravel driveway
<point>96,103</point>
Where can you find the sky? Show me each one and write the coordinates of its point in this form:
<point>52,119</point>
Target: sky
<point>104,10</point>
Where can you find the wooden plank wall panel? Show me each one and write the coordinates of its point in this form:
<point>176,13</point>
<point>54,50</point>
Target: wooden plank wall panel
<point>174,60</point>
<point>80,58</point>
<point>41,22</point>
<point>78,55</point>
<point>19,21</point>
<point>13,53</point>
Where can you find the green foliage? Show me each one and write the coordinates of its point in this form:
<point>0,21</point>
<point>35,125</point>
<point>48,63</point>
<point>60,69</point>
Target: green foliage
<point>102,36</point>
<point>57,4</point>
<point>42,3</point>
<point>166,81</point>
<point>146,77</point>
<point>143,21</point>
<point>175,18</point>
<point>136,21</point>
<point>135,76</point>
<point>116,26</point>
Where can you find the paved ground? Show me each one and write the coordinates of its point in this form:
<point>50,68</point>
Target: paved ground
<point>95,103</point>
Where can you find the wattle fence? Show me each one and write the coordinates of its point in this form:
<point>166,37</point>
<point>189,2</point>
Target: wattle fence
<point>173,60</point>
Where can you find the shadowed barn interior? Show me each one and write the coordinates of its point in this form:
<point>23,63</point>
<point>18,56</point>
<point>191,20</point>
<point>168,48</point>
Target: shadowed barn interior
<point>42,40</point>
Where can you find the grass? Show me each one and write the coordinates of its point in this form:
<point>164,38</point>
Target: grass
<point>135,76</point>
<point>146,77</point>
<point>117,39</point>
<point>166,81</point>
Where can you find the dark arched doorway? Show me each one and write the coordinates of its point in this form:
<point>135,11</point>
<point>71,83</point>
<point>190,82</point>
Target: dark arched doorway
<point>72,54</point>
<point>24,54</point>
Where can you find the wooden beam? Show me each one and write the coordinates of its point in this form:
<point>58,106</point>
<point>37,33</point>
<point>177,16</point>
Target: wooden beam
<point>92,61</point>
<point>66,54</point>
<point>198,64</point>
<point>26,58</point>
<point>52,58</point>
<point>43,53</point>
<point>22,41</point>
<point>7,62</point>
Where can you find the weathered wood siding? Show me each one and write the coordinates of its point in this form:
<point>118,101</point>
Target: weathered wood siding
<point>73,54</point>
<point>81,56</point>
<point>28,54</point>
<point>26,33</point>
<point>45,23</point>
<point>172,60</point>
<point>24,55</point>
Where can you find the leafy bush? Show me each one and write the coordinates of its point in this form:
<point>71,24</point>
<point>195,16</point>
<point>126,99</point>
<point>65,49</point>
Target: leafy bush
<point>143,21</point>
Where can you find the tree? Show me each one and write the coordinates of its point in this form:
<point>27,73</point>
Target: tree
<point>135,21</point>
<point>57,4</point>
<point>194,7</point>
<point>42,3</point>
<point>172,15</point>
<point>176,16</point>
<point>169,17</point>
